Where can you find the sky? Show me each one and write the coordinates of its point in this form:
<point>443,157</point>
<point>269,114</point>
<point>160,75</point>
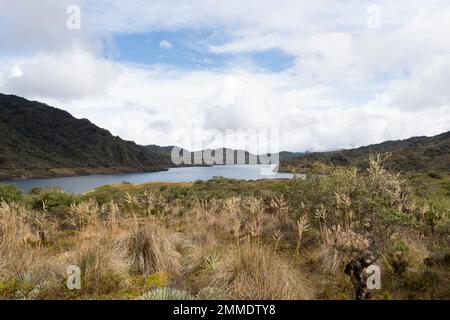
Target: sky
<point>327,74</point>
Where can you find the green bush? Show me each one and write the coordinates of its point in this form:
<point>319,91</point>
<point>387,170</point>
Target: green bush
<point>52,198</point>
<point>10,193</point>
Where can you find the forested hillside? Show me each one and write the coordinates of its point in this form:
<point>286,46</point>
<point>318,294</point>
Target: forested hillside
<point>36,138</point>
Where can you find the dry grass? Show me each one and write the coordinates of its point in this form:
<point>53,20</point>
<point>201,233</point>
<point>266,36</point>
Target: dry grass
<point>233,247</point>
<point>255,272</point>
<point>151,248</point>
<point>16,253</point>
<point>98,255</point>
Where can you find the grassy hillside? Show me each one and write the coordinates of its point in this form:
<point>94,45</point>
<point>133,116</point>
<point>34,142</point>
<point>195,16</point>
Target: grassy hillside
<point>423,154</point>
<point>38,140</point>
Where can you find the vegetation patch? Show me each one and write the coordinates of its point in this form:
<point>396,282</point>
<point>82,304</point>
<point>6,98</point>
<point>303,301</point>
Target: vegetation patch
<point>232,239</point>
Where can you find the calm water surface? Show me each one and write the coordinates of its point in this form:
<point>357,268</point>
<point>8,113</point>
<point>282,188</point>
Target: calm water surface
<point>85,183</point>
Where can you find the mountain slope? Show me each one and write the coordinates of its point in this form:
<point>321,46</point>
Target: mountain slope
<point>230,155</point>
<point>38,140</point>
<point>414,154</point>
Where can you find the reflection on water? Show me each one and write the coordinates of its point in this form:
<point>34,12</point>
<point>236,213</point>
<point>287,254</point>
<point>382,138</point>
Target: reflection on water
<point>85,183</point>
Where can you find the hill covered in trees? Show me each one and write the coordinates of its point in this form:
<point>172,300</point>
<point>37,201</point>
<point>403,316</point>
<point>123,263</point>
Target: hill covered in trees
<point>424,154</point>
<point>39,140</point>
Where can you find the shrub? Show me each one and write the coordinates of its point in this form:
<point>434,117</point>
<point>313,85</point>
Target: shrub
<point>52,199</point>
<point>10,193</point>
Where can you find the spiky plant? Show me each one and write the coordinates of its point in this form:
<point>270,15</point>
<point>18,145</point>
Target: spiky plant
<point>167,293</point>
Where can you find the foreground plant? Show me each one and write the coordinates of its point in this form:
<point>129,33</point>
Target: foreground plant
<point>227,239</point>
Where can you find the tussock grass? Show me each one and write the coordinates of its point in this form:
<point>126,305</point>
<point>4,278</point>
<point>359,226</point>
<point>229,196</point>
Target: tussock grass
<point>16,253</point>
<point>227,239</point>
<point>252,271</point>
<point>151,248</point>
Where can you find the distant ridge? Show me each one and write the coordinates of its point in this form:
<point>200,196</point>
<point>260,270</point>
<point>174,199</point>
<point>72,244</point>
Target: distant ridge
<point>233,159</point>
<point>413,154</point>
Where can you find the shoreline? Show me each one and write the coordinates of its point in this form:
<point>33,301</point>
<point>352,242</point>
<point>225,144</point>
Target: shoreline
<point>23,174</point>
<point>18,175</point>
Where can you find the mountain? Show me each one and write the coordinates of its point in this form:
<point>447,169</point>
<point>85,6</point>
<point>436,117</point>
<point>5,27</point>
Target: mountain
<point>226,153</point>
<point>414,154</point>
<point>166,150</point>
<point>37,140</point>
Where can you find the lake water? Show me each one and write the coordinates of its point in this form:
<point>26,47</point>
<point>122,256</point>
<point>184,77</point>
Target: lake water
<point>85,183</point>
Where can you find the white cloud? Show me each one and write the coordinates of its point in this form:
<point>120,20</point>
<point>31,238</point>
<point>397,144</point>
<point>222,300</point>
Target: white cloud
<point>164,44</point>
<point>426,88</point>
<point>349,85</point>
<point>141,105</point>
<point>16,72</point>
<point>72,74</point>
<point>28,27</point>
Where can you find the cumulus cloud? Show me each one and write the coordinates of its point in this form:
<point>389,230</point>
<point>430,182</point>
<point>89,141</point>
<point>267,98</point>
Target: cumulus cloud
<point>348,85</point>
<point>16,72</point>
<point>28,27</point>
<point>73,74</point>
<point>426,88</point>
<point>164,44</point>
<point>141,106</point>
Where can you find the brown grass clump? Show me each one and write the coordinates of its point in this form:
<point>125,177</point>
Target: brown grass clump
<point>98,256</point>
<point>16,254</point>
<point>198,262</point>
<point>152,248</point>
<point>208,221</point>
<point>84,214</point>
<point>252,271</point>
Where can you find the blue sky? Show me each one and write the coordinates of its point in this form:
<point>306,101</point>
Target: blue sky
<point>188,49</point>
<point>328,74</point>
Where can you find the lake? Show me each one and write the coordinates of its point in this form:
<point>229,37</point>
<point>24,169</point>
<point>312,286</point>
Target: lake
<point>82,184</point>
